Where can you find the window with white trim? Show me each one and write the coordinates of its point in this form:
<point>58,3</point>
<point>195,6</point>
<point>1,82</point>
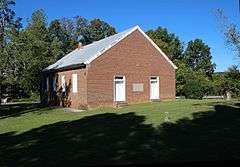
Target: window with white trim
<point>63,83</point>
<point>74,83</point>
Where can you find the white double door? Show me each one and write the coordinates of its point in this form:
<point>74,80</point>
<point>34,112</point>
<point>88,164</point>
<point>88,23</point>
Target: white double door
<point>154,88</point>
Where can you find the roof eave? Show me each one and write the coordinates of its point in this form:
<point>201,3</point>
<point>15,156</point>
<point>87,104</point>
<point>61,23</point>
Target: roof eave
<point>72,66</point>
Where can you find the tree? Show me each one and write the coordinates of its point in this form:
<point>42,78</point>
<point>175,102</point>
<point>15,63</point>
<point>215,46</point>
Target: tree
<point>100,29</point>
<point>182,74</point>
<point>57,49</point>
<point>71,37</point>
<point>80,29</point>
<point>230,30</point>
<point>198,57</point>
<point>7,20</point>
<point>94,30</point>
<point>218,84</point>
<point>197,85</point>
<point>189,83</point>
<point>233,73</point>
<point>168,42</point>
<point>83,30</point>
<point>233,80</point>
<point>69,27</point>
<point>36,51</point>
<point>60,38</point>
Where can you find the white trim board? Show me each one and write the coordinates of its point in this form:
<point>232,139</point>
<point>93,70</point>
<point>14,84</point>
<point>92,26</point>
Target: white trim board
<point>117,41</point>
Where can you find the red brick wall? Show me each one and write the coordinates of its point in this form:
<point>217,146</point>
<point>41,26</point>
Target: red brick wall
<point>136,59</point>
<point>80,98</point>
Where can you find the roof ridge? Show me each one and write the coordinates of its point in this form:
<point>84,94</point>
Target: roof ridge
<point>94,42</point>
<point>91,51</point>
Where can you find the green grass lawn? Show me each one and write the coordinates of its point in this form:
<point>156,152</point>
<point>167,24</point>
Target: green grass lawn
<point>196,130</point>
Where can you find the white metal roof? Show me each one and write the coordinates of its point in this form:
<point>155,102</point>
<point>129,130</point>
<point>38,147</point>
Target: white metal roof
<point>88,53</point>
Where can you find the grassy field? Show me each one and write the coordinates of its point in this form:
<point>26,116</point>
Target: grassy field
<point>195,130</point>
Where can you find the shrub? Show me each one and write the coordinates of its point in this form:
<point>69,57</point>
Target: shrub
<point>197,85</point>
<point>233,80</point>
<point>193,90</point>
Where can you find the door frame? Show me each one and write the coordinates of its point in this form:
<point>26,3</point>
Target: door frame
<point>158,80</point>
<point>114,87</point>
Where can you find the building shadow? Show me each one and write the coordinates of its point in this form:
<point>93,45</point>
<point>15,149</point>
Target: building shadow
<point>114,138</point>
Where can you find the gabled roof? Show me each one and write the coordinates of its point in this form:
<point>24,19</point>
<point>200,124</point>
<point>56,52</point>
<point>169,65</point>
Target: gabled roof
<point>88,53</point>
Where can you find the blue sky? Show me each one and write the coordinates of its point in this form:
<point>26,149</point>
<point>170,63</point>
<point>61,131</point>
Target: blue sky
<point>188,19</point>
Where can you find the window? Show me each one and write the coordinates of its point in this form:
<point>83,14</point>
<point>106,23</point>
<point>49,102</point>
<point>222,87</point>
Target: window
<point>74,83</point>
<point>47,83</point>
<point>153,78</point>
<point>118,77</point>
<point>63,83</point>
<point>54,83</point>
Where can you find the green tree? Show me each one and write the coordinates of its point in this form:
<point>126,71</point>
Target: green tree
<point>198,57</point>
<point>57,49</point>
<point>83,30</point>
<point>190,83</point>
<point>36,51</point>
<point>58,34</point>
<point>94,30</point>
<point>168,42</point>
<point>7,20</point>
<point>79,29</point>
<point>182,74</point>
<point>218,84</point>
<point>233,80</point>
<point>69,26</point>
<point>233,73</point>
<point>100,29</point>
<point>197,85</point>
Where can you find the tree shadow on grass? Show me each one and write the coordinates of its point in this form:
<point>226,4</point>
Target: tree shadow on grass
<point>237,104</point>
<point>211,103</point>
<point>208,136</point>
<point>17,109</point>
<point>113,138</point>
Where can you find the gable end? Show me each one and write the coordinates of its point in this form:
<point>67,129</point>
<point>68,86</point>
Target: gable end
<point>117,41</point>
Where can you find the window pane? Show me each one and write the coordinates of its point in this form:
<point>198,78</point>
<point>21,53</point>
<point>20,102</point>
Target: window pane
<point>74,83</point>
<point>153,77</point>
<point>118,77</point>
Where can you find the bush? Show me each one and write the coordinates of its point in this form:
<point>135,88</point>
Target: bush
<point>197,85</point>
<point>233,80</point>
<point>193,90</point>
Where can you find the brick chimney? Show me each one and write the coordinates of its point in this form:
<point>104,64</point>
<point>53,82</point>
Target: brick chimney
<point>79,45</point>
